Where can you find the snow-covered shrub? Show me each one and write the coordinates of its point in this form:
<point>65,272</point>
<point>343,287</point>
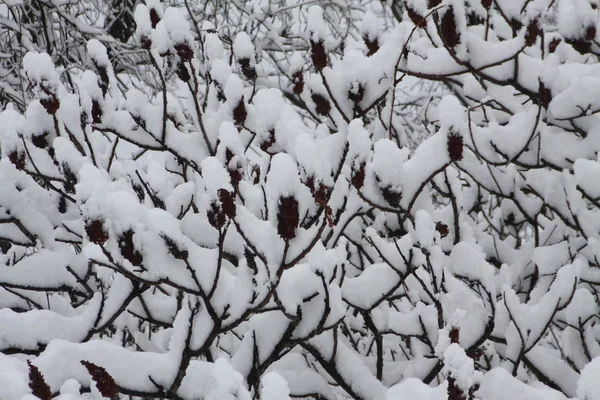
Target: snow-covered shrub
<point>249,227</point>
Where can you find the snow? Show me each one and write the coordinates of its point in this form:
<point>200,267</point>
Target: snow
<point>216,175</point>
<point>283,177</point>
<point>13,382</point>
<point>316,25</point>
<point>588,386</point>
<point>98,53</point>
<point>354,372</point>
<point>19,330</point>
<point>39,67</point>
<point>47,267</point>
<point>142,20</point>
<point>498,384</point>
<point>413,388</point>
<point>227,384</point>
<point>574,16</point>
<point>176,25</point>
<point>370,26</point>
<point>460,367</point>
<point>233,90</point>
<point>370,269</point>
<point>356,290</point>
<point>220,71</point>
<point>243,47</point>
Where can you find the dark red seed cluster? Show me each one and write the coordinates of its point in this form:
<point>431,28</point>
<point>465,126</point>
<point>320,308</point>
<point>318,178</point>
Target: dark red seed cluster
<point>95,231</point>
<point>318,55</point>
<point>128,250</point>
<point>37,384</point>
<point>449,29</point>
<point>455,147</point>
<point>323,107</point>
<point>104,382</point>
<point>288,217</point>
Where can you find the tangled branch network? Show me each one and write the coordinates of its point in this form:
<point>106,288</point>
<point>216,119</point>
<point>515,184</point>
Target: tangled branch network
<point>277,199</point>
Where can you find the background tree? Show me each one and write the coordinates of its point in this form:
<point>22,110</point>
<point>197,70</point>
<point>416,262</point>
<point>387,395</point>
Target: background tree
<point>291,199</point>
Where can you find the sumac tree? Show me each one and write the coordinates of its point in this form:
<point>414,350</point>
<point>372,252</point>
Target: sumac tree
<point>286,199</point>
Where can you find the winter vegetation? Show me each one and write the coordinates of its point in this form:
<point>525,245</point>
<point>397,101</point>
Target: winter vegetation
<point>299,199</point>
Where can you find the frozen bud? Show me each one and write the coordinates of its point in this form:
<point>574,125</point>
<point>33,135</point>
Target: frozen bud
<point>392,195</point>
<point>220,93</point>
<point>128,249</point>
<point>251,260</point>
<point>358,176</point>
<point>235,175</point>
<point>516,24</point>
<point>40,141</point>
<point>454,335</point>
<point>455,146</point>
<point>476,353</point>
<point>449,28</point>
<point>62,205</point>
<point>227,200</point>
<point>174,250</point>
<point>70,178</point>
<point>255,174</point>
<point>244,53</point>
<point>442,229</point>
<point>372,45</point>
<point>370,32</point>
<point>240,113</point>
<point>590,32</point>
<point>415,17</point>
<point>95,231</point>
<point>356,92</point>
<point>288,217</point>
<point>104,382</point>
<point>230,152</point>
<point>545,96</point>
<point>316,26</point>
<point>156,11</point>
<point>146,42</point>
<point>37,383</point>
<point>248,70</point>
<point>99,57</point>
<point>318,55</point>
<point>18,159</point>
<point>50,103</point>
<point>184,51</point>
<point>96,112</point>
<point>553,45</point>
<point>310,183</point>
<point>532,33</point>
<point>581,46</point>
<point>228,156</point>
<point>103,74</point>
<point>154,18</point>
<point>216,218</point>
<point>264,146</point>
<point>298,81</point>
<point>323,107</point>
<point>182,72</point>
<point>454,391</point>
